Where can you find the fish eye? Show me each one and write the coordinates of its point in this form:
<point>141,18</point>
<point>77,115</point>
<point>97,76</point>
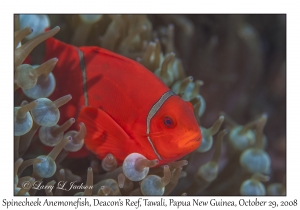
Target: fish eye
<point>168,122</point>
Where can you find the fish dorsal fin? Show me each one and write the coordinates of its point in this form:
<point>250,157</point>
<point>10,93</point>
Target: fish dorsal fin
<point>104,135</point>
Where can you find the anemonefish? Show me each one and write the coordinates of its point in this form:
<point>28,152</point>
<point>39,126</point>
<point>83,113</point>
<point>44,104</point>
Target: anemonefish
<point>125,107</point>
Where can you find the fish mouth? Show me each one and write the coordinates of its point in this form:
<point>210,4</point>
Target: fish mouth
<point>192,142</point>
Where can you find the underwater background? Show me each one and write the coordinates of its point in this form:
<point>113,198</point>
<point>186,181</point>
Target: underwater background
<point>238,65</point>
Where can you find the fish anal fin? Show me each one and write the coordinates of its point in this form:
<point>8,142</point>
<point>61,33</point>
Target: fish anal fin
<point>104,135</point>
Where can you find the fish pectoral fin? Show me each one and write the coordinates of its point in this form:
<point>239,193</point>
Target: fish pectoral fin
<point>104,135</point>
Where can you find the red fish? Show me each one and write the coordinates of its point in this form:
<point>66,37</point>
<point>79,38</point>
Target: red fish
<point>125,107</point>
